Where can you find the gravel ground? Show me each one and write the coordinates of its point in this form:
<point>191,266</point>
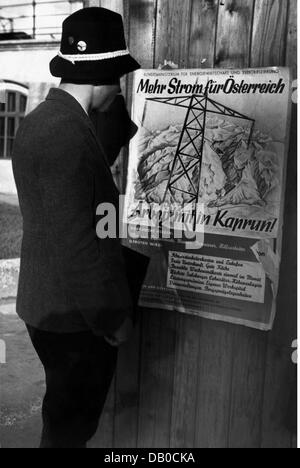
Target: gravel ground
<point>22,386</point>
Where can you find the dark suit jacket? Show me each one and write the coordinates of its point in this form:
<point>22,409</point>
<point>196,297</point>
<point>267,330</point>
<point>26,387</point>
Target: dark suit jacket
<point>69,279</point>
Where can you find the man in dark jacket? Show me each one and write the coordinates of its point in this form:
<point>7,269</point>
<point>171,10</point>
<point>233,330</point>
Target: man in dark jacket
<point>73,295</point>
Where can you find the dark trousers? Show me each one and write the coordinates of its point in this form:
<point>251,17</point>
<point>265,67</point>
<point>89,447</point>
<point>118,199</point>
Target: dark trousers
<point>79,369</point>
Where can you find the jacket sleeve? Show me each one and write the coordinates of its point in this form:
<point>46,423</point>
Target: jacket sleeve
<point>91,272</point>
<point>115,128</point>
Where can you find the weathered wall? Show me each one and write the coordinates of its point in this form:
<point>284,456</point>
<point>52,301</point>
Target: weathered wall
<point>185,381</point>
<point>25,65</point>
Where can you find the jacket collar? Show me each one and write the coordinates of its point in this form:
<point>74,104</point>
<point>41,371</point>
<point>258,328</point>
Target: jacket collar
<point>57,94</point>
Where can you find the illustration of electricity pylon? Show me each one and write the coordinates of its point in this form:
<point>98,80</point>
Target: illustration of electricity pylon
<point>193,130</point>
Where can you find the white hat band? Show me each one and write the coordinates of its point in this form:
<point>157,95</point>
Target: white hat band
<point>93,57</point>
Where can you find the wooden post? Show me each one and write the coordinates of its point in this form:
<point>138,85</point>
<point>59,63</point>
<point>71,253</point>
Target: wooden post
<point>269,49</point>
<point>291,51</point>
<point>172,31</point>
<point>183,381</point>
<point>234,33</point>
<point>269,33</point>
<point>129,390</point>
<point>202,29</point>
<point>114,5</point>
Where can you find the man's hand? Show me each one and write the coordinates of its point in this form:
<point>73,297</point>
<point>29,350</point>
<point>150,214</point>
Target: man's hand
<point>122,334</point>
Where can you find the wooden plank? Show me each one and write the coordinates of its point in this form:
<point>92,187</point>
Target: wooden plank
<point>114,5</point>
<point>186,378</point>
<point>91,3</point>
<point>156,384</point>
<point>248,375</point>
<point>121,7</point>
<point>279,376</point>
<point>120,418</point>
<point>232,387</point>
<point>280,371</point>
<point>172,31</point>
<point>285,327</point>
<point>234,33</point>
<point>160,327</point>
<point>201,44</point>
<point>214,339</point>
<point>202,368</point>
<point>269,42</point>
<point>278,388</point>
<point>269,33</point>
<point>127,393</point>
<point>233,45</point>
<point>142,27</point>
<point>104,438</point>
<point>295,442</point>
<point>214,384</point>
<point>291,52</point>
<point>139,26</point>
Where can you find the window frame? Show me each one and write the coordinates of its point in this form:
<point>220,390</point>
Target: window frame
<point>35,16</point>
<point>19,90</point>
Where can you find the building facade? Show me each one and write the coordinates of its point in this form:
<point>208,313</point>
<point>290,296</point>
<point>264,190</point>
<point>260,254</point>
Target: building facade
<point>29,38</point>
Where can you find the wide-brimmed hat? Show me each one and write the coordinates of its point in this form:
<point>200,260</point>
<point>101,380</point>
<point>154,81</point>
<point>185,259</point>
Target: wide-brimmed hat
<point>93,48</point>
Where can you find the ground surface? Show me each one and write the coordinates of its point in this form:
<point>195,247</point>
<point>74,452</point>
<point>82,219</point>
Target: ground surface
<point>21,376</point>
<point>21,386</point>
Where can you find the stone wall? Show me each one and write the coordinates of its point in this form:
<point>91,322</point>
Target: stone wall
<point>9,273</point>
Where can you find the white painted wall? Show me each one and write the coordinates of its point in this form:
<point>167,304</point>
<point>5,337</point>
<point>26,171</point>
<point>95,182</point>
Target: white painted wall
<point>26,65</point>
<point>29,67</point>
<point>7,183</point>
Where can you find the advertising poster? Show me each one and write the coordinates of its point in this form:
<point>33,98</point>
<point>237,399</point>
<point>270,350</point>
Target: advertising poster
<point>205,190</point>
